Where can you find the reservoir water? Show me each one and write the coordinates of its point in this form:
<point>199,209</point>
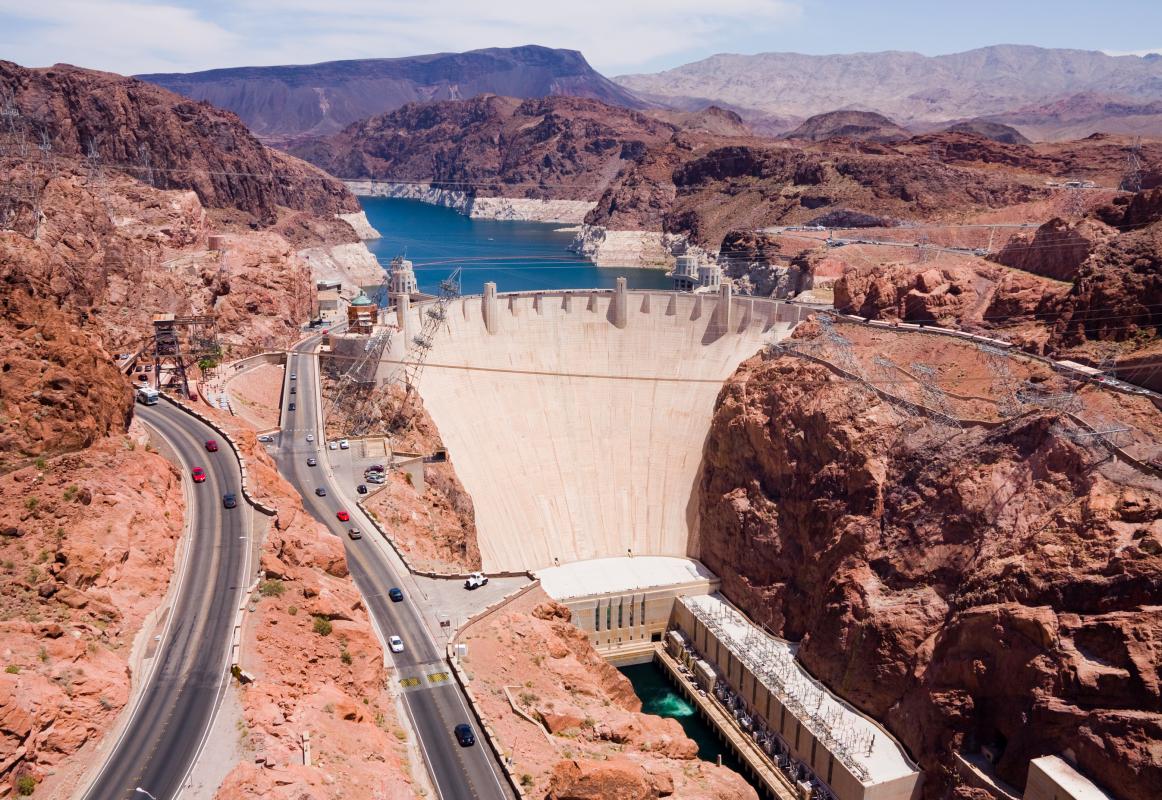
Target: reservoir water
<point>659,697</point>
<point>519,256</point>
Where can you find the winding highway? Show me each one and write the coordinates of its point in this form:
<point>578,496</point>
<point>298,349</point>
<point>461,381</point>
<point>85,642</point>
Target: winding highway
<point>169,721</point>
<point>434,701</point>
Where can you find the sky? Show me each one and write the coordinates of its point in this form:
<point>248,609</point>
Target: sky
<point>617,36</point>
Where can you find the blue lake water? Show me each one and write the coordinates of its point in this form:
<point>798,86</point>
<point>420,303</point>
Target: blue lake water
<point>519,256</point>
<point>660,698</point>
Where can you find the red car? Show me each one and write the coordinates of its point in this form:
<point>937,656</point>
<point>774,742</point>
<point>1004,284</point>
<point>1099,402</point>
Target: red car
<point>343,516</point>
<point>212,445</point>
<point>198,474</point>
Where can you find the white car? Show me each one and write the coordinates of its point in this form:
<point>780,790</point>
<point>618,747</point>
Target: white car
<point>310,437</point>
<point>343,444</point>
<point>332,446</point>
<point>395,643</point>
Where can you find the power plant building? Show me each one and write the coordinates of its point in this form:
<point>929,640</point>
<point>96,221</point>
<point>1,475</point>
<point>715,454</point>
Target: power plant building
<point>827,746</point>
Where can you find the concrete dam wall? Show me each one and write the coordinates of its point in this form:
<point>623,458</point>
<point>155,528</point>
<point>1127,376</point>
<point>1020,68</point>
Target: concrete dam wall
<point>576,419</point>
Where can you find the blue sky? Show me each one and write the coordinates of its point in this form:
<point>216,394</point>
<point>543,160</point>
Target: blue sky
<point>617,36</point>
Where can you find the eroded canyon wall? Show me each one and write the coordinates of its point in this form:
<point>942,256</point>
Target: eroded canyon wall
<point>980,587</point>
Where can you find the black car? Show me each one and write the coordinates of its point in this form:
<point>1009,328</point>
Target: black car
<point>311,461</point>
<point>395,594</point>
<point>229,500</point>
<point>321,492</point>
<point>464,734</point>
<point>291,407</point>
<point>294,390</point>
<point>361,488</point>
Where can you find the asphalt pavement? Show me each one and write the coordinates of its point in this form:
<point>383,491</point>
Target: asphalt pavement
<point>189,673</point>
<point>432,697</point>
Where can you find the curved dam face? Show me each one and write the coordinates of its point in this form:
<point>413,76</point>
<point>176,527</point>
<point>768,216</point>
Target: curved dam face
<point>576,420</point>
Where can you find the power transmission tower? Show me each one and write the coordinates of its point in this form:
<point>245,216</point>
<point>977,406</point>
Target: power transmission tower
<point>1066,400</point>
<point>922,251</point>
<point>998,364</point>
<point>934,397</point>
<point>436,317</point>
<point>1075,202</point>
<point>146,162</point>
<point>888,374</point>
<point>13,124</point>
<point>1132,177</point>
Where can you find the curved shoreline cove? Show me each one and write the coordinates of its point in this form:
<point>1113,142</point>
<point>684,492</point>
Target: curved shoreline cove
<point>518,256</point>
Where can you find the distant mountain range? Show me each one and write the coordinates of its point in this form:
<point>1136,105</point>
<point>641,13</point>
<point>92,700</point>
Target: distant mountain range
<point>1045,93</point>
<point>319,99</point>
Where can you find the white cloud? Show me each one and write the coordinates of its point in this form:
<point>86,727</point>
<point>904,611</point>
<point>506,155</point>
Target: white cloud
<point>122,36</point>
<point>1155,51</point>
<point>142,36</point>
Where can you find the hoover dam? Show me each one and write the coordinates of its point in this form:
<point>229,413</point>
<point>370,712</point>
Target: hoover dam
<point>576,419</point>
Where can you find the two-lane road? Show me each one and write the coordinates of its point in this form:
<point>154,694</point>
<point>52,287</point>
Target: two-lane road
<point>431,696</point>
<point>169,721</point>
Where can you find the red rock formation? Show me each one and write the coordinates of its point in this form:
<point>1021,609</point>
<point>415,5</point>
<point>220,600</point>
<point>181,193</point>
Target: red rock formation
<point>58,390</point>
<point>968,588</point>
<point>80,577</point>
<point>956,293</point>
<point>152,134</point>
<point>554,147</point>
<point>855,125</point>
<point>1117,294</point>
<point>1056,249</point>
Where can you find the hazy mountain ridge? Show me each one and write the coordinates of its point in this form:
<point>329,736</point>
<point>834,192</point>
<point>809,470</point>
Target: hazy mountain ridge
<point>320,99</point>
<point>911,88</point>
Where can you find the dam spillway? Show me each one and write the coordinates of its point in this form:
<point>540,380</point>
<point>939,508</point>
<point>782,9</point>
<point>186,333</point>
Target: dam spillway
<point>576,419</point>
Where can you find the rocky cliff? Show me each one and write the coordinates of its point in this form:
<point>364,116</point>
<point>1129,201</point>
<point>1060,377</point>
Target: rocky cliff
<point>981,588</point>
<point>80,582</point>
<point>860,126</point>
<point>561,148</point>
<point>1056,249</point>
<point>1107,308</point>
<point>126,125</point>
<point>321,99</point>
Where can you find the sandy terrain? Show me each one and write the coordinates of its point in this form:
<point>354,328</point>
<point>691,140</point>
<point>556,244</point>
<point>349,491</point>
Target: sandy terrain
<point>255,395</point>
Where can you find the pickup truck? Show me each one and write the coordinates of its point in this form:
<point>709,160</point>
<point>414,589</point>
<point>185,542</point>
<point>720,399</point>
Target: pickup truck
<point>475,581</point>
